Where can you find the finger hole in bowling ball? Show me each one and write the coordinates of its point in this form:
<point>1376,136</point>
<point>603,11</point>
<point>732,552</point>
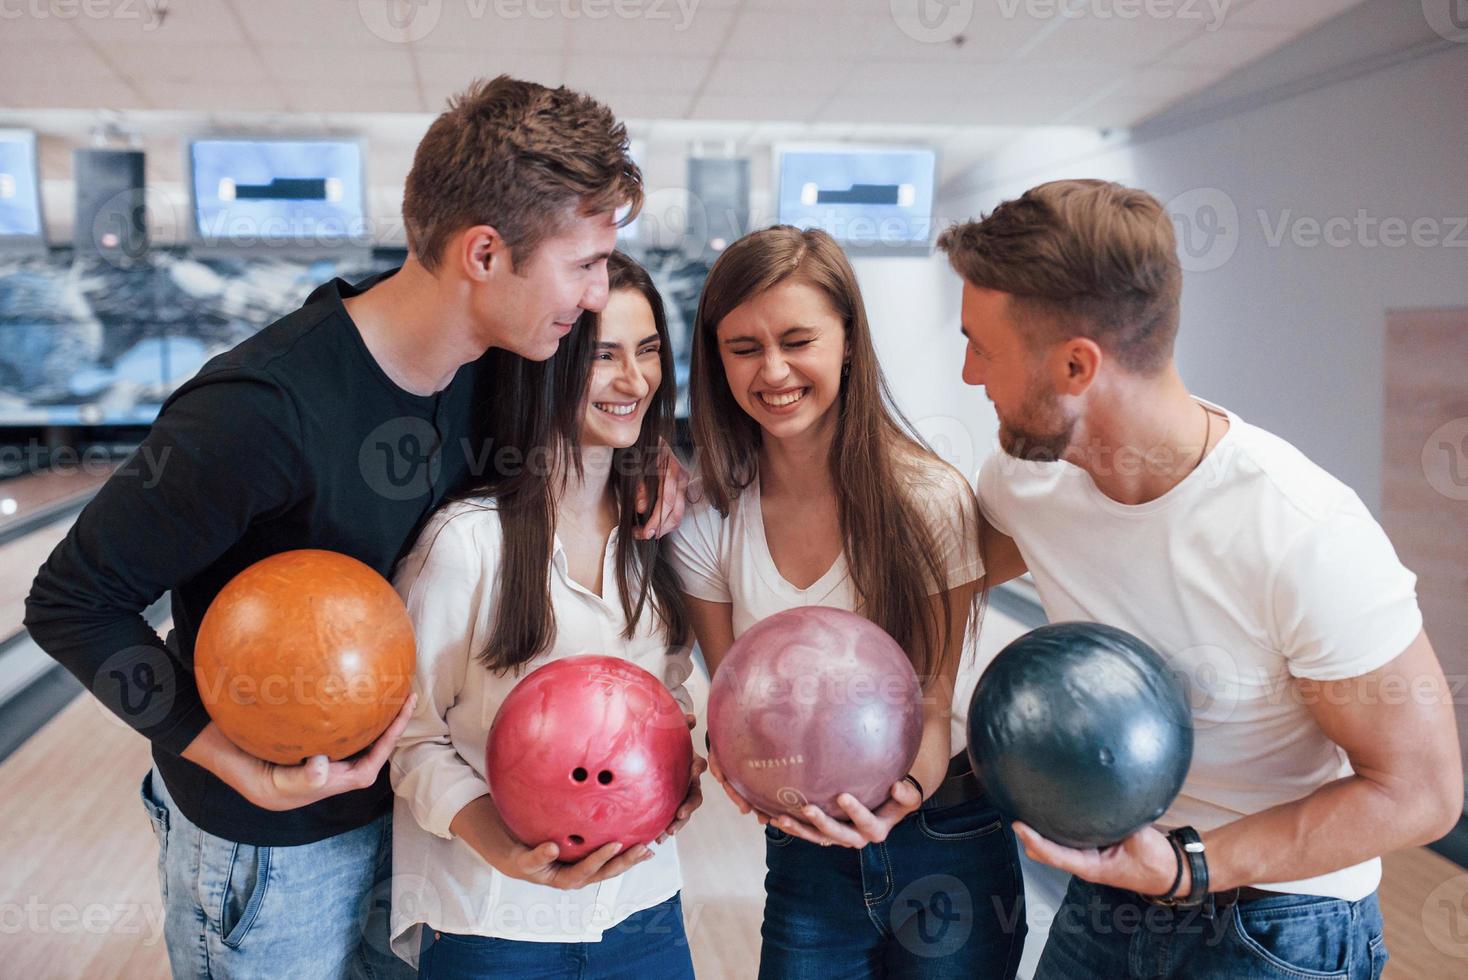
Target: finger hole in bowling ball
<point>578,774</point>
<point>604,777</point>
<point>577,839</point>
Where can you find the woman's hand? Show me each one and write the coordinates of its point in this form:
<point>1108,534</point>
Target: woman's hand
<point>540,864</point>
<point>866,827</point>
<point>694,799</point>
<point>743,805</point>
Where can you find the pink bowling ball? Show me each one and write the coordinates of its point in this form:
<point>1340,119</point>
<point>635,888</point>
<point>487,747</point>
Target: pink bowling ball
<point>585,751</point>
<point>811,703</point>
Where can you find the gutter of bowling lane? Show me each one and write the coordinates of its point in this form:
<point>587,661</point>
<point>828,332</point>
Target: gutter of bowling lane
<point>33,687</point>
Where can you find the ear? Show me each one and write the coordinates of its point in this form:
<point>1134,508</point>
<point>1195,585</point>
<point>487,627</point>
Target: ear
<point>482,251</point>
<point>1076,364</point>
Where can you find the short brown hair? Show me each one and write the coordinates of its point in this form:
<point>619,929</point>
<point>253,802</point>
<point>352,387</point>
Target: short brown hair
<point>518,156</point>
<point>1082,258</point>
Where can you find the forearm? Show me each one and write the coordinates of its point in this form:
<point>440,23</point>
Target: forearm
<point>104,642</point>
<point>478,824</point>
<point>1339,825</point>
<point>931,764</point>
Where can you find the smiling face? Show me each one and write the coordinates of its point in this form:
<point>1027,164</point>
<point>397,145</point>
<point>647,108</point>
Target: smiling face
<point>626,370</point>
<point>1033,422</point>
<point>529,309</point>
<point>782,352</point>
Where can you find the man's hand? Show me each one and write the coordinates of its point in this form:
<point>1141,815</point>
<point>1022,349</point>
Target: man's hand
<point>1144,863</point>
<point>271,786</point>
<point>667,511</point>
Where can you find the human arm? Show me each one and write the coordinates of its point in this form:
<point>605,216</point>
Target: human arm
<point>1396,726</point>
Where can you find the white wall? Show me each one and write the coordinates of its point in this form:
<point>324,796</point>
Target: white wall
<point>1289,332</point>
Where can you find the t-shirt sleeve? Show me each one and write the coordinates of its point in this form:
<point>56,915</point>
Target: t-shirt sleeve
<point>991,494</point>
<point>1344,604</point>
<point>445,582</point>
<point>223,453</point>
<point>952,516</point>
<point>696,551</point>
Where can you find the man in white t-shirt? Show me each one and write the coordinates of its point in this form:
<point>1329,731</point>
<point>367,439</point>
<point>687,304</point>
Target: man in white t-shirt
<point>1324,735</point>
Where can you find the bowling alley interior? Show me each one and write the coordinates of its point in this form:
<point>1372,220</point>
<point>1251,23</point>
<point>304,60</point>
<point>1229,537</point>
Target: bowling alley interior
<point>178,176</point>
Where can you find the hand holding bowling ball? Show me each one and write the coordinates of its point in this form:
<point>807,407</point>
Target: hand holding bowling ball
<point>587,751</point>
<point>1080,731</point>
<point>305,653</point>
<point>811,703</point>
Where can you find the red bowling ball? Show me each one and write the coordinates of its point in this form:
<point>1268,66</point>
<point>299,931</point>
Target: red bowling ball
<point>585,751</point>
<point>811,703</point>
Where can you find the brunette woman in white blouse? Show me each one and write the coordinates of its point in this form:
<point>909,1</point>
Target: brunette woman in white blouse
<point>541,564</point>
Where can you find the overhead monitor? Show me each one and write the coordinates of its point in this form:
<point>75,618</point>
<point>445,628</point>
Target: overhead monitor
<point>873,200</point>
<point>278,196</point>
<point>21,226</point>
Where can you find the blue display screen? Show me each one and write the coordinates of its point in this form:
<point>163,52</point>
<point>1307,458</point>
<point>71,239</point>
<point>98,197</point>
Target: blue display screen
<point>20,199</point>
<point>862,197</point>
<point>262,191</point>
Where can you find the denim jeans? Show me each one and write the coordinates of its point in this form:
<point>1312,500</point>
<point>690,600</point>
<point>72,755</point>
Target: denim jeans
<point>648,945</point>
<point>941,898</point>
<point>241,911</point>
<point>1104,932</point>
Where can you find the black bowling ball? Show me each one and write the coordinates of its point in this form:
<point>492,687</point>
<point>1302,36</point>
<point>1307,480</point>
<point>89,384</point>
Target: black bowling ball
<point>1081,731</point>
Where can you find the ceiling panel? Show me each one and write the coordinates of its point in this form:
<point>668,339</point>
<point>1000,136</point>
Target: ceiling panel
<point>751,77</point>
<point>866,62</point>
<point>485,25</point>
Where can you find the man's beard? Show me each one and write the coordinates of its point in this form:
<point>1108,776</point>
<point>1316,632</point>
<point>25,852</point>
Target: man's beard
<point>1041,433</point>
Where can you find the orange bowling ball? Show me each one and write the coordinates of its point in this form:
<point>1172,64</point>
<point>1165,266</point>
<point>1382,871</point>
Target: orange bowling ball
<point>305,653</point>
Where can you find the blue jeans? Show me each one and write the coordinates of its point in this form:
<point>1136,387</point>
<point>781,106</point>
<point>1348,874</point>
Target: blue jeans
<point>241,911</point>
<point>647,945</point>
<point>941,898</point>
<point>1104,932</point>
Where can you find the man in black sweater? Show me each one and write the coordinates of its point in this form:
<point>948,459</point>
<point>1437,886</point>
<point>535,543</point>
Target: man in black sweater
<point>341,426</point>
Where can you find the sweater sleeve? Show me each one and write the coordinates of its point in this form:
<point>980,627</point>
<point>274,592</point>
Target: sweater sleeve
<point>224,452</point>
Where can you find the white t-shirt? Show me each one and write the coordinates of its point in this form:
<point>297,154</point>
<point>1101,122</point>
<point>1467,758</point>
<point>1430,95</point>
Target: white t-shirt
<point>450,582</point>
<point>1257,568</point>
<point>727,559</point>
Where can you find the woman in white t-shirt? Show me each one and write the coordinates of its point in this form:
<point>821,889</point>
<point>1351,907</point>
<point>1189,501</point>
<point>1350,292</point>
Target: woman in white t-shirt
<point>542,564</point>
<point>813,491</point>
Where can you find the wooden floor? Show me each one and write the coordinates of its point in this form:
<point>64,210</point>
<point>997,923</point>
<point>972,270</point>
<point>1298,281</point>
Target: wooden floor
<point>80,894</point>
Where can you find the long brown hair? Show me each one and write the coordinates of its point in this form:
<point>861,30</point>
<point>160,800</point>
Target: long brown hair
<point>890,548</point>
<point>540,434</point>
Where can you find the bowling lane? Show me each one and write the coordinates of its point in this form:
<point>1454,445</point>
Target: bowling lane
<point>24,498</point>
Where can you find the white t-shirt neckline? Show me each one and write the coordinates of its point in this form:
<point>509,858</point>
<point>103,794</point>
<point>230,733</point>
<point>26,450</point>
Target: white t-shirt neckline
<point>1196,477</point>
<point>759,547</point>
